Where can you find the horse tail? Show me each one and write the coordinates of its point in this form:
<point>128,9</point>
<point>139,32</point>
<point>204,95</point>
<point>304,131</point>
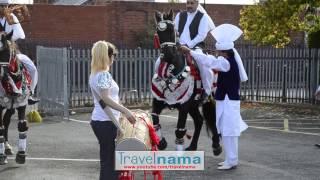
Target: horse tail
<point>209,114</point>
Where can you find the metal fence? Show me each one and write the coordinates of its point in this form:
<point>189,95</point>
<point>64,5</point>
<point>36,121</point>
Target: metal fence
<point>132,70</point>
<point>288,75</point>
<point>52,84</point>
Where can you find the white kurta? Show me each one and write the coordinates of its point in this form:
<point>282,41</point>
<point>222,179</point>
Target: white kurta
<point>203,29</point>
<point>228,117</point>
<point>18,32</point>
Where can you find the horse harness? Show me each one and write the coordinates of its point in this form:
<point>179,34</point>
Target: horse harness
<point>14,76</point>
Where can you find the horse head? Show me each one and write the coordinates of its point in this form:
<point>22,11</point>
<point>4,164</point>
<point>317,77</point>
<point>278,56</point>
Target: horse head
<point>6,47</point>
<point>167,38</point>
<point>167,35</point>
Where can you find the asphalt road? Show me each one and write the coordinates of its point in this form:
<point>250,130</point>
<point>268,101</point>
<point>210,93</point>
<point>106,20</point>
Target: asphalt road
<point>68,150</point>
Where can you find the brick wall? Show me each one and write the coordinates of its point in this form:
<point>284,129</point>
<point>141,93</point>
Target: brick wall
<point>117,22</point>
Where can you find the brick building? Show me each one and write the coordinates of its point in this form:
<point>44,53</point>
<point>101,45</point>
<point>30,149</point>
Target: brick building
<point>124,23</point>
<point>119,22</point>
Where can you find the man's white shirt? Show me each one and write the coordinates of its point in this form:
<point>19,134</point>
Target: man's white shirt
<point>203,29</point>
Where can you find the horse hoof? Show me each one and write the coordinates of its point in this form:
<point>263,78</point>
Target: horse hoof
<point>3,159</point>
<point>9,152</point>
<point>8,149</point>
<point>162,144</point>
<point>21,157</point>
<point>191,148</point>
<point>217,150</point>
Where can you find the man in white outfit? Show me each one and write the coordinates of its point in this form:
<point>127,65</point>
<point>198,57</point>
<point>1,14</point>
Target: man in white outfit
<point>230,73</point>
<point>192,26</point>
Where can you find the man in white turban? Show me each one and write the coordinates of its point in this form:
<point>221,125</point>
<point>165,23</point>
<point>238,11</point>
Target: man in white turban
<point>230,73</point>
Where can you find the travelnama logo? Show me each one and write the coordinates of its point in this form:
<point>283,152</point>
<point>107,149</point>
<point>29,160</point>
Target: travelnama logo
<point>159,160</point>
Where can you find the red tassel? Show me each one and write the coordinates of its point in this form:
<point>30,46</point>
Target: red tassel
<point>156,41</point>
<point>126,175</point>
<point>157,175</point>
<point>153,135</point>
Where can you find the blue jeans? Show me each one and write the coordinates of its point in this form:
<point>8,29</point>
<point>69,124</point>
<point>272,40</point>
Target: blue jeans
<point>106,133</point>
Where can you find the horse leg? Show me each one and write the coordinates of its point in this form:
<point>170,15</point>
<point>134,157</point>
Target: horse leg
<point>3,157</point>
<point>6,122</point>
<point>198,121</point>
<point>181,130</point>
<point>22,142</point>
<point>209,113</point>
<point>157,107</point>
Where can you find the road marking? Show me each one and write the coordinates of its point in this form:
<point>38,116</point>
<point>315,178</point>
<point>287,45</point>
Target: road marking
<point>263,128</point>
<point>254,127</point>
<point>279,130</point>
<point>59,159</point>
<point>76,120</point>
<point>282,120</point>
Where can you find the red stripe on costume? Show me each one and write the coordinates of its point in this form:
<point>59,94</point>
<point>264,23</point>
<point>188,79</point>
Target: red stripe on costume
<point>156,90</point>
<point>182,95</point>
<point>160,70</point>
<point>194,71</point>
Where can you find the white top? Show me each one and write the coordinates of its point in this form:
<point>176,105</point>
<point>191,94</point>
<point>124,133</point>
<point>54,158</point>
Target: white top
<point>18,32</point>
<point>203,29</point>
<point>103,81</point>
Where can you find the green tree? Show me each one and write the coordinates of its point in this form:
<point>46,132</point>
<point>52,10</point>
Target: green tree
<point>144,38</point>
<point>270,23</point>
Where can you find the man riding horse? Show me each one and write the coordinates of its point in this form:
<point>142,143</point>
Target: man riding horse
<point>177,83</point>
<point>18,80</point>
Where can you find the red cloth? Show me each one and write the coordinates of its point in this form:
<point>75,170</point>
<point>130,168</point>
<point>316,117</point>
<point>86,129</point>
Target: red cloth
<point>156,41</point>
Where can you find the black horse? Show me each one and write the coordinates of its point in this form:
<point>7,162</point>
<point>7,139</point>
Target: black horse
<point>176,71</point>
<point>15,90</point>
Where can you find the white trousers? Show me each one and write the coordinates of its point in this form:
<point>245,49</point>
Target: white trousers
<point>230,144</point>
<point>205,73</point>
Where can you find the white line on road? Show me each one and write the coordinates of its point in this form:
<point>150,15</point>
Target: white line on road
<point>59,159</point>
<point>76,120</point>
<point>255,127</point>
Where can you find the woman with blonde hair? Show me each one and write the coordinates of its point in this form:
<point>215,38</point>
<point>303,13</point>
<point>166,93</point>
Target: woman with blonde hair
<point>102,84</point>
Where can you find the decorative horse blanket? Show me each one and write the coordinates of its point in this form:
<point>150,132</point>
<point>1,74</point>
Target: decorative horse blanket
<point>178,88</point>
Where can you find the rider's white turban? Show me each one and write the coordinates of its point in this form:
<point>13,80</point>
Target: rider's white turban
<point>225,36</point>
